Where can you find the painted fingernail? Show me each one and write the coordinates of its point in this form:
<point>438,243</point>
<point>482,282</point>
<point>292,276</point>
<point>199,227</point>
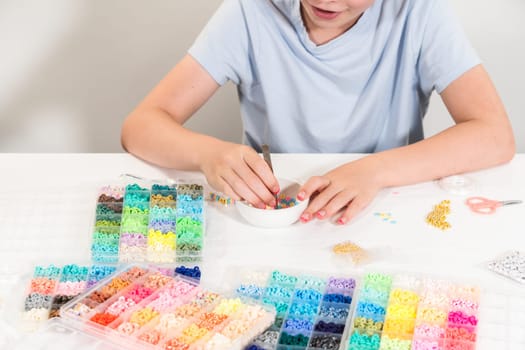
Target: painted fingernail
<point>301,195</point>
<point>305,217</point>
<point>321,214</point>
<point>276,189</point>
<point>342,221</point>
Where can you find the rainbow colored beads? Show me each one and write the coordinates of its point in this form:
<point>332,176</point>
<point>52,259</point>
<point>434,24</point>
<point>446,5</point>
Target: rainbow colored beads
<point>161,224</point>
<point>51,287</point>
<point>405,312</point>
<point>145,308</point>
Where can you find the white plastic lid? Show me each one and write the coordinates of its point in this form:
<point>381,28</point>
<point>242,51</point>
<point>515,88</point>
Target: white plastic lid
<point>458,185</point>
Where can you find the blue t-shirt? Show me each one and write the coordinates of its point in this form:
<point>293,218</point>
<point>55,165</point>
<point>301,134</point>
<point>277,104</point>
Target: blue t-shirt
<point>364,91</point>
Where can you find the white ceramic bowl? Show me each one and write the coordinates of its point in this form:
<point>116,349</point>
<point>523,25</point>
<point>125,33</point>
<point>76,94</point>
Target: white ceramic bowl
<point>273,218</point>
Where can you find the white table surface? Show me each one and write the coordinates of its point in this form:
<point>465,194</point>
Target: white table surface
<point>47,204</point>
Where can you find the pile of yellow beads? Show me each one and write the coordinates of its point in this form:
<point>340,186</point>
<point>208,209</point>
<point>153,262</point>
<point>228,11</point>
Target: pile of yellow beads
<point>350,250</point>
<point>438,216</point>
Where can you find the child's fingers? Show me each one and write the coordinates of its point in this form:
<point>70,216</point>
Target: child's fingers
<point>355,207</point>
<point>263,171</point>
<point>315,183</point>
<point>239,186</point>
<point>318,200</point>
<point>254,183</point>
<point>335,204</point>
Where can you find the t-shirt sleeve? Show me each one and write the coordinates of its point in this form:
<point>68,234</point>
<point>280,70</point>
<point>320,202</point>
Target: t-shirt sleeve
<point>222,46</point>
<point>445,51</point>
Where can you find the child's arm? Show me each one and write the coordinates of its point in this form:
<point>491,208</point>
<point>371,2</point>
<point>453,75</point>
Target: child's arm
<point>481,138</point>
<point>154,132</point>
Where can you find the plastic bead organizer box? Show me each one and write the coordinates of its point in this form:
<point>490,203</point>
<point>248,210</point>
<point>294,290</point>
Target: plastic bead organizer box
<point>161,224</point>
<point>380,311</point>
<point>141,308</point>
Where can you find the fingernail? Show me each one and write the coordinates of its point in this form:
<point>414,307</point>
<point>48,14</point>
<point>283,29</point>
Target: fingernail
<point>261,206</point>
<point>342,221</point>
<point>321,214</point>
<point>273,203</point>
<point>301,195</point>
<point>305,217</point>
<point>276,189</point>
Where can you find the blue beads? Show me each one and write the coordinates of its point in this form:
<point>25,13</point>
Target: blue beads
<point>250,290</point>
<point>337,298</point>
<point>308,295</point>
<point>193,272</point>
<point>329,327</point>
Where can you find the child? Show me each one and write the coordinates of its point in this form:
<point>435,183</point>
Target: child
<point>339,76</point>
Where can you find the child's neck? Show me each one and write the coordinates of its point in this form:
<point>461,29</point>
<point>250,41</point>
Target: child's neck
<point>321,35</point>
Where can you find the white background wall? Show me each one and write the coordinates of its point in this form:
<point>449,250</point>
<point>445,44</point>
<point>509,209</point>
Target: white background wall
<point>71,70</point>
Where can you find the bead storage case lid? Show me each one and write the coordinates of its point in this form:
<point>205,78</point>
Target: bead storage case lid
<point>402,311</point>
<point>313,309</point>
<point>139,308</point>
<point>149,222</point>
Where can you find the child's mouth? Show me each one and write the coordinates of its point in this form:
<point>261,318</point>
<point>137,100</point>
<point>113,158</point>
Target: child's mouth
<point>324,14</point>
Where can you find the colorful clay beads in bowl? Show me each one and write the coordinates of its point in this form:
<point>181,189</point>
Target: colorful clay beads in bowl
<point>312,311</point>
<point>141,308</point>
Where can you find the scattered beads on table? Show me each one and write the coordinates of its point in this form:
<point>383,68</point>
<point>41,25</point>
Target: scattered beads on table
<point>386,217</point>
<point>438,216</point>
<point>221,199</point>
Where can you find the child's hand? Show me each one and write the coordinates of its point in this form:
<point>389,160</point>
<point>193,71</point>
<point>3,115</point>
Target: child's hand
<point>240,173</point>
<point>350,187</point>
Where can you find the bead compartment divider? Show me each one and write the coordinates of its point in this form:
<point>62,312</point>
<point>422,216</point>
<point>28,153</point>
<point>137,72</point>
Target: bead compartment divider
<point>149,222</point>
<point>308,300</point>
<point>187,297</point>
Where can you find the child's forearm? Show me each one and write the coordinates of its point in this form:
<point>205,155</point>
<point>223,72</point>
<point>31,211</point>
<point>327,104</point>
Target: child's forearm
<point>467,146</point>
<point>155,136</point>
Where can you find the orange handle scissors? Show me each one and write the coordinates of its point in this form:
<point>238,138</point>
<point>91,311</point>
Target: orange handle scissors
<point>483,205</point>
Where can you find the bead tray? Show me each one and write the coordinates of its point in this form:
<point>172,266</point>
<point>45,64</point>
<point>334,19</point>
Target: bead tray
<point>404,312</point>
<point>400,311</point>
<point>312,311</point>
<point>158,224</point>
<point>374,321</point>
<point>129,310</point>
<point>52,286</point>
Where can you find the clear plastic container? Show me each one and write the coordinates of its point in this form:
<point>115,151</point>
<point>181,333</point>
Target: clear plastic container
<point>419,313</point>
<point>149,222</point>
<point>313,309</point>
<point>52,286</point>
<point>176,311</point>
